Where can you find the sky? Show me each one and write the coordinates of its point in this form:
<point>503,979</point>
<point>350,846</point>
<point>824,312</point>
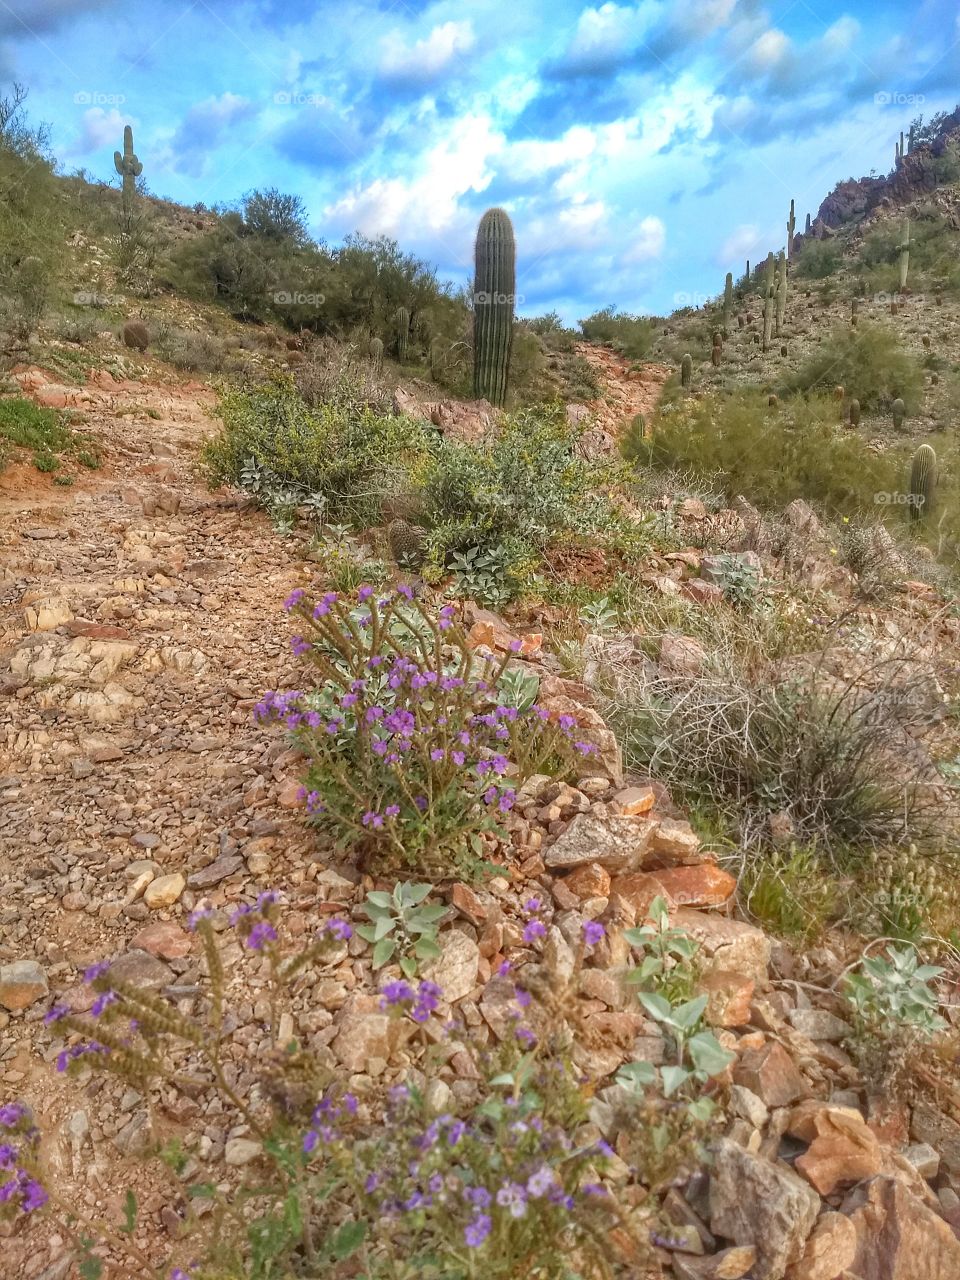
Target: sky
<point>641,150</point>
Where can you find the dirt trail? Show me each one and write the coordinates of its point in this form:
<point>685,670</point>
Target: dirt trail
<point>626,391</point>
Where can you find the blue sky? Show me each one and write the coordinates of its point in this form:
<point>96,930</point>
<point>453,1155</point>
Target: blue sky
<point>642,150</point>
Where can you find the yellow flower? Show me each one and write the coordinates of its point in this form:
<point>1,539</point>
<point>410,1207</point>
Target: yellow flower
<point>833,551</point>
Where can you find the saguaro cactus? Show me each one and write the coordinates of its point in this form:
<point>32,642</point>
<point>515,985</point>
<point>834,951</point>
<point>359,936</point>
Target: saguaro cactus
<point>129,168</point>
<point>768,287</point>
<point>494,294</point>
<point>791,231</point>
<point>781,291</point>
<point>686,371</point>
<point>904,252</point>
<point>854,413</point>
<point>806,226</point>
<point>727,299</point>
<point>923,482</point>
<point>403,333</point>
<point>899,411</point>
<point>376,355</point>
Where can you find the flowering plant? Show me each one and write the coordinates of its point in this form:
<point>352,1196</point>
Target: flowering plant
<point>414,753</point>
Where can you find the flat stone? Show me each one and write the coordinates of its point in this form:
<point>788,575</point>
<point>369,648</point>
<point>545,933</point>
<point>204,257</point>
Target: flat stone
<point>615,842</point>
<point>455,969</point>
<point>682,655</point>
<point>633,802</point>
<point>770,1073</point>
<point>843,1150</point>
<point>706,885</point>
<point>819,1024</point>
<point>763,1203</point>
<point>164,891</point>
<point>675,841</point>
<point>214,872</point>
<point>924,1159</point>
<point>22,984</point>
<point>164,939</point>
<point>241,1151</point>
<point>727,944</point>
<point>140,969</point>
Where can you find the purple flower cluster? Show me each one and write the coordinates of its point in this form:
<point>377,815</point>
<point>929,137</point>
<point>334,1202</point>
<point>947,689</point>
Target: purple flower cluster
<point>21,1188</point>
<point>324,1119</point>
<point>419,1004</point>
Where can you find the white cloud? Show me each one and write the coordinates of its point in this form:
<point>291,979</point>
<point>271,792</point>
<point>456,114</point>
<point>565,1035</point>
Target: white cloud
<point>743,242</point>
<point>426,58</point>
<point>839,37</point>
<point>768,50</point>
<point>580,226</point>
<point>649,241</point>
<point>603,33</point>
<point>100,128</point>
<point>427,203</point>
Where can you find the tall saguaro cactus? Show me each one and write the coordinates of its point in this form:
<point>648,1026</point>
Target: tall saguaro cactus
<point>129,168</point>
<point>791,230</point>
<point>494,293</point>
<point>768,287</point>
<point>403,333</point>
<point>727,299</point>
<point>781,291</point>
<point>904,252</point>
<point>923,482</point>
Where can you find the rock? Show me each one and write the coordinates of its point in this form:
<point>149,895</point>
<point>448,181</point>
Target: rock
<point>929,1125</point>
<point>682,655</point>
<point>748,1106</point>
<point>727,944</point>
<point>801,518</point>
<point>22,984</point>
<point>707,593</point>
<point>829,1251</point>
<point>924,1159</point>
<point>214,872</point>
<point>615,842</point>
<point>729,997</point>
<point>468,903</point>
<point>898,1236</point>
<point>818,1024</point>
<point>589,881</point>
<point>770,1073</point>
<point>366,1036</point>
<point>843,1149</point>
<point>633,802</point>
<point>47,615</point>
<point>757,1202</point>
<point>241,1151</point>
<point>702,886</point>
<point>164,891</point>
<point>729,1264</point>
<point>140,969</point>
<point>455,969</point>
<point>675,841</point>
<point>164,939</point>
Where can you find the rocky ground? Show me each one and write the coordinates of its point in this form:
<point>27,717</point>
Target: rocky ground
<point>140,623</point>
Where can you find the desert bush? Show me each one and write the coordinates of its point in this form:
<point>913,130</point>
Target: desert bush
<point>630,335</point>
<point>340,449</point>
<point>190,351</point>
<point>817,259</point>
<point>835,757</point>
<point>409,742</point>
<point>799,451</point>
<point>27,426</point>
<point>868,362</point>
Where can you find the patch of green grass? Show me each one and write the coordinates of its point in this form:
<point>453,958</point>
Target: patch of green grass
<point>27,425</point>
<point>45,462</point>
<point>88,459</point>
<point>63,479</point>
<point>790,894</point>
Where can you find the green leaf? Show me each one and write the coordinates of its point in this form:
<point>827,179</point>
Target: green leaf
<point>201,1190</point>
<point>367,932</point>
<point>129,1213</point>
<point>348,1239</point>
<point>655,1005</point>
<point>378,898</point>
<point>426,949</point>
<point>689,1014</point>
<point>505,1077</point>
<point>707,1053</point>
<point>430,914</point>
<point>636,1075</point>
<point>639,937</point>
<point>408,966</point>
<point>412,894</point>
<point>383,951</point>
<point>382,928</point>
<point>90,1268</point>
<point>673,1078</point>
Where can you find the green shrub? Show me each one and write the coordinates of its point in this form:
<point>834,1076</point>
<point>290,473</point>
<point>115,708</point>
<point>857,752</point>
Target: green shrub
<point>817,259</point>
<point>189,351</point>
<point>630,335</point>
<point>870,365</point>
<point>342,450</point>
<point>771,457</point>
<point>29,426</point>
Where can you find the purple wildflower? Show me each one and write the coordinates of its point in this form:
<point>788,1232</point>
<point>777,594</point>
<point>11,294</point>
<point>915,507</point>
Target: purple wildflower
<point>539,1183</point>
<point>96,971</point>
<point>261,933</point>
<point>339,929</point>
<point>476,1232</point>
<point>534,929</point>
<point>102,1002</point>
<point>299,646</point>
<point>392,811</point>
<point>513,1197</point>
<point>55,1014</point>
<point>593,931</point>
<point>395,993</point>
<point>364,594</point>
<point>293,599</point>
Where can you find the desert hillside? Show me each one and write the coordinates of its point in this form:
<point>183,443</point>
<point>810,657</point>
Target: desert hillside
<point>477,796</point>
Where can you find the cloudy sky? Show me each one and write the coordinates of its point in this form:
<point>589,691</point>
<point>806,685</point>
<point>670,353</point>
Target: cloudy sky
<point>642,150</point>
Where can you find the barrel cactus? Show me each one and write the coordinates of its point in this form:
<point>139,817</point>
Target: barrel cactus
<point>376,355</point>
<point>494,293</point>
<point>129,168</point>
<point>923,482</point>
<point>899,411</point>
<point>406,542</point>
<point>403,333</point>
<point>686,371</point>
<point>854,413</point>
